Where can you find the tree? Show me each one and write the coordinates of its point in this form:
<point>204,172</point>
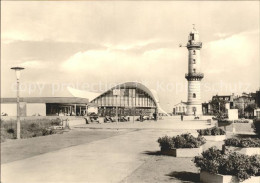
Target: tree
<point>240,110</point>
<point>218,107</point>
<point>250,108</point>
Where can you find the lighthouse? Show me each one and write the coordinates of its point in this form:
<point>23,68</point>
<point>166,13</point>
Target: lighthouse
<point>194,75</point>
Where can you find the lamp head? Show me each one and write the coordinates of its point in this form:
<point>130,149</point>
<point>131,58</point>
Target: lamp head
<point>17,71</point>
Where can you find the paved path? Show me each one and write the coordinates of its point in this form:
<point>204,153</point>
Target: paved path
<point>14,150</point>
<point>106,160</point>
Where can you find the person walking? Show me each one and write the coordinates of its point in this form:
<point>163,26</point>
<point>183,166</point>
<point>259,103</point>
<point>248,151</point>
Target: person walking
<point>141,117</point>
<point>155,116</point>
<point>181,117</point>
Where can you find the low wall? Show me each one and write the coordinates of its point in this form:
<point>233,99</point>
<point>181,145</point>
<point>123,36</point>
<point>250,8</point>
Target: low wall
<point>183,152</point>
<point>74,122</point>
<point>238,127</point>
<point>214,137</point>
<point>206,177</point>
<point>30,118</point>
<point>192,117</point>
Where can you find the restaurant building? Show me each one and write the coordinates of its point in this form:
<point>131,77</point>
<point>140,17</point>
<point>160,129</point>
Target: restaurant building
<point>127,99</point>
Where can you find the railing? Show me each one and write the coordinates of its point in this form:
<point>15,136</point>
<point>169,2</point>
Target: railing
<point>196,44</point>
<point>194,75</point>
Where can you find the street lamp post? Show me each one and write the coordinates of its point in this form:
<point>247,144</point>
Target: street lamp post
<point>116,92</point>
<point>18,73</point>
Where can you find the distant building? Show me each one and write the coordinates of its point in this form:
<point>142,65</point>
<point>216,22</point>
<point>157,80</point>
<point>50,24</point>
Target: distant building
<point>208,107</point>
<point>257,98</point>
<point>229,100</point>
<point>180,108</point>
<point>245,104</point>
<point>62,103</point>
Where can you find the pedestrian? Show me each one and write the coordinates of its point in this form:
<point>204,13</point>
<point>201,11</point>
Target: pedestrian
<point>155,116</point>
<point>141,116</point>
<point>182,117</point>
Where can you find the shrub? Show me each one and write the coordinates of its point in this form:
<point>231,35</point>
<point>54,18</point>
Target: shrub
<point>216,162</point>
<point>244,142</point>
<point>36,129</point>
<point>210,160</point>
<point>242,121</point>
<point>29,128</point>
<point>47,132</point>
<point>211,131</point>
<point>181,141</point>
<point>56,122</point>
<point>10,130</point>
<point>165,142</point>
<point>220,116</point>
<point>227,121</point>
<point>5,135</point>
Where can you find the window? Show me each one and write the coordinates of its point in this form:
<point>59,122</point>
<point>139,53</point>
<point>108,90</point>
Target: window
<point>194,61</point>
<point>194,52</point>
<point>194,95</point>
<point>194,70</point>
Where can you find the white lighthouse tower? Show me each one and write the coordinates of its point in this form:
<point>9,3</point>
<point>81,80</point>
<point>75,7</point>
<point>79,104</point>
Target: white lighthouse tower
<point>194,75</point>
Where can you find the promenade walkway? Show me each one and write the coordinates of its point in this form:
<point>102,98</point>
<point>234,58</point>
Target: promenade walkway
<point>112,159</point>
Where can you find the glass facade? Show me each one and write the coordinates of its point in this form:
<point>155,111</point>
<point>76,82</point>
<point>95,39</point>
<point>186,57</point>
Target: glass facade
<point>55,109</point>
<point>131,101</point>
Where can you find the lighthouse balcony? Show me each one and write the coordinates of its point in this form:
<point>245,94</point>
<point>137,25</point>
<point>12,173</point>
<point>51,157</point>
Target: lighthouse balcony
<point>192,44</point>
<point>194,76</point>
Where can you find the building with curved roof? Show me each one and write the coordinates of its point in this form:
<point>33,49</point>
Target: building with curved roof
<point>130,98</point>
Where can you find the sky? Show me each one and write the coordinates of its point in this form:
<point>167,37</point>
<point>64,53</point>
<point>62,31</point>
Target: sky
<point>95,45</point>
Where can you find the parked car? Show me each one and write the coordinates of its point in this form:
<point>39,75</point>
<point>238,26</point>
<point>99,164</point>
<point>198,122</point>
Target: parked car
<point>4,114</point>
<point>93,116</point>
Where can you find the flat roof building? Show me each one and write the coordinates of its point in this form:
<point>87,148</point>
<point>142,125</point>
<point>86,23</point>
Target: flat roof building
<point>134,99</point>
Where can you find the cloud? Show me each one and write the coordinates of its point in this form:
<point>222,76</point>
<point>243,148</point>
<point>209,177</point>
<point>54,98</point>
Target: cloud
<point>11,36</point>
<point>110,58</point>
<point>34,64</point>
<point>89,60</point>
<point>136,45</point>
<point>239,50</point>
<point>232,60</point>
<point>119,65</point>
<point>221,34</point>
<point>106,22</point>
